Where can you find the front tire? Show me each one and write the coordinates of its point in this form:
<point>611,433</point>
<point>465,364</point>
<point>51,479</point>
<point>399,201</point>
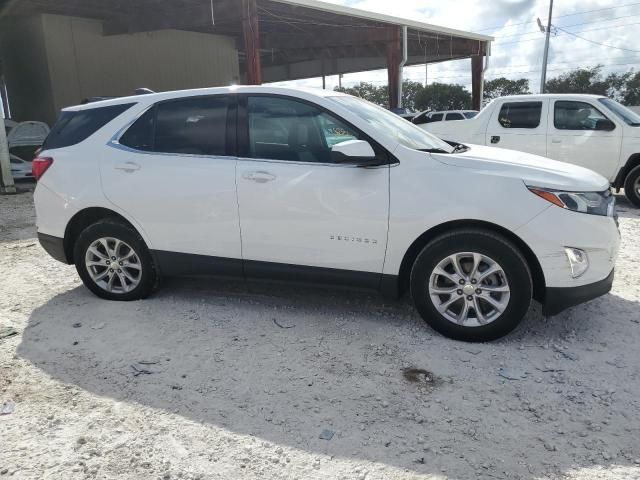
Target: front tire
<point>632,186</point>
<point>114,262</point>
<point>472,285</point>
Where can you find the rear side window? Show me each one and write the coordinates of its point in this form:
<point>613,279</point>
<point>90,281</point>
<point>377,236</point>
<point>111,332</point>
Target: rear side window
<point>454,116</point>
<point>436,117</point>
<point>520,115</point>
<point>74,127</point>
<point>193,126</point>
<point>140,135</point>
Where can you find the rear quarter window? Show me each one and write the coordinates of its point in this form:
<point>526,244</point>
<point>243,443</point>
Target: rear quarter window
<point>73,127</point>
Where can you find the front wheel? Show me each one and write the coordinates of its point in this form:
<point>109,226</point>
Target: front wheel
<point>114,262</point>
<point>471,285</point>
<point>632,186</point>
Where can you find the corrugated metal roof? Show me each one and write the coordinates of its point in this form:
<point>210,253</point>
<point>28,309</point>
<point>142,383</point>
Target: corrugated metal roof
<point>379,17</point>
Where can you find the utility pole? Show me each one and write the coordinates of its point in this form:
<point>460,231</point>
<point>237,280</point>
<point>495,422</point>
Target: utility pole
<point>545,59</point>
<point>6,179</point>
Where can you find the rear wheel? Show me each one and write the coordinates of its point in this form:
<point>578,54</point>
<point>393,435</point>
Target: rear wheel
<point>114,262</point>
<point>632,186</point>
<point>471,285</point>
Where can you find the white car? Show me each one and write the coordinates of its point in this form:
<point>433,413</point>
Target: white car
<point>444,116</point>
<point>20,169</point>
<point>591,131</point>
<point>314,186</point>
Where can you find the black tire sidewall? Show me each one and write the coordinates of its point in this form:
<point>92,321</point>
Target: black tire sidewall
<point>115,229</point>
<point>496,247</point>
<point>629,189</point>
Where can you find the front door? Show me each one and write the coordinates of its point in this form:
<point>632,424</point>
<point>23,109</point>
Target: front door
<point>172,172</point>
<point>581,134</point>
<point>299,209</point>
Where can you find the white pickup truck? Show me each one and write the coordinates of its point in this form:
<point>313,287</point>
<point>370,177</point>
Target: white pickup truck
<point>587,130</point>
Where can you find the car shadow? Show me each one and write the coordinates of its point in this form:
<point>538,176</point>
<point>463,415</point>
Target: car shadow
<point>285,364</point>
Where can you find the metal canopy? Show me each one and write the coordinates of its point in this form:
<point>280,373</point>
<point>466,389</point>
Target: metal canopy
<point>297,38</point>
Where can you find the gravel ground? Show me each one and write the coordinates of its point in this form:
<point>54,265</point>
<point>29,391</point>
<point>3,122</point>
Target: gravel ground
<point>216,380</point>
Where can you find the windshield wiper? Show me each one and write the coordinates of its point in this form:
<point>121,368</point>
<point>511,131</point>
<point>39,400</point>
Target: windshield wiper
<point>433,150</point>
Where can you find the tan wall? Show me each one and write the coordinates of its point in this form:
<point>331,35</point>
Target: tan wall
<point>76,61</point>
<point>24,65</point>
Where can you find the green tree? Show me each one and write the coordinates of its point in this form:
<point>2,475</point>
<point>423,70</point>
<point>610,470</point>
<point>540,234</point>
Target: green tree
<point>443,96</point>
<point>502,86</point>
<point>368,91</point>
<point>581,80</point>
<point>626,87</point>
<point>380,94</point>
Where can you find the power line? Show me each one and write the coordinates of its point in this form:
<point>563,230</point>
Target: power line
<point>537,32</point>
<point>560,16</point>
<point>598,43</point>
<point>570,33</point>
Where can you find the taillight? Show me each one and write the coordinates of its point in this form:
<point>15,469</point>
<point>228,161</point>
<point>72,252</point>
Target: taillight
<point>39,166</point>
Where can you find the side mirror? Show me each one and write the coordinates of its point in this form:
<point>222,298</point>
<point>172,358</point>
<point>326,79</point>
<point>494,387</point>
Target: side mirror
<point>354,152</point>
<point>604,124</point>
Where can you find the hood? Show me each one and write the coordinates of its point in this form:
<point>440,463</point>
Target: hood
<point>28,134</point>
<point>534,170</point>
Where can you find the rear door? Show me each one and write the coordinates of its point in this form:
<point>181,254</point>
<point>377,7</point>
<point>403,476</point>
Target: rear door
<point>173,171</point>
<point>519,125</point>
<point>580,134</point>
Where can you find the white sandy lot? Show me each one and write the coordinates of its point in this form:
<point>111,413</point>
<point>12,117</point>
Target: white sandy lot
<point>216,380</point>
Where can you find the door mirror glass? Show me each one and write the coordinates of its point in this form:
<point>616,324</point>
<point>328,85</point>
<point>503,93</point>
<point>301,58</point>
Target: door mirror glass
<point>354,152</point>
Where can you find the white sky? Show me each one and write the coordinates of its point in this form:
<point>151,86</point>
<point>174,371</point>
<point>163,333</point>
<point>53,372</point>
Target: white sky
<point>615,23</point>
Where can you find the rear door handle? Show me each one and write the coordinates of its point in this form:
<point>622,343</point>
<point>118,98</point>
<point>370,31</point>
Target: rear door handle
<point>259,177</point>
<point>556,140</point>
<point>495,139</point>
<point>128,167</point>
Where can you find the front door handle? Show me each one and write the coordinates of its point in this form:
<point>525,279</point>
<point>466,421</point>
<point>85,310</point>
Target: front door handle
<point>259,177</point>
<point>128,167</point>
<point>495,139</point>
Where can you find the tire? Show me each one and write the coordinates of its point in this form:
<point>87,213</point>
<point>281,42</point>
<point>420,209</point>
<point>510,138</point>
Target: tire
<point>501,309</point>
<point>632,186</point>
<point>122,242</point>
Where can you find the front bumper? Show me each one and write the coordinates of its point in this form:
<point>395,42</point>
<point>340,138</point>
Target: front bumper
<point>558,299</point>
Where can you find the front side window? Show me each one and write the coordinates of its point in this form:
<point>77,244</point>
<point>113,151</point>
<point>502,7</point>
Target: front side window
<point>284,129</point>
<point>520,115</point>
<point>570,115</point>
<point>470,114</point>
<point>454,116</point>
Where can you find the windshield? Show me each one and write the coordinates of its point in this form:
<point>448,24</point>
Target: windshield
<point>622,112</point>
<point>390,124</point>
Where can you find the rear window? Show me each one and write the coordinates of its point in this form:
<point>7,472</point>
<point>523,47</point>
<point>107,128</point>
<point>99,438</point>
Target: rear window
<point>520,115</point>
<point>73,127</point>
<point>454,116</point>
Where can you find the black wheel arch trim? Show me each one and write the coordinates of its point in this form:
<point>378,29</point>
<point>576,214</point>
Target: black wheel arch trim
<point>537,274</point>
<point>632,162</point>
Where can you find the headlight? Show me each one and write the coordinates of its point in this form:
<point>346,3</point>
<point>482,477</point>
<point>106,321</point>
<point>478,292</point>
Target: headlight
<point>593,203</point>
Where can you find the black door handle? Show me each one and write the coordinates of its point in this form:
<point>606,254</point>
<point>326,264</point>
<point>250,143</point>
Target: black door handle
<point>495,139</point>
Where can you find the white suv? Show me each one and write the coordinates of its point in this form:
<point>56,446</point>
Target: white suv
<point>318,187</point>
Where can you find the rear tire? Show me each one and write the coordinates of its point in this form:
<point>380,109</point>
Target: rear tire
<point>472,285</point>
<point>632,186</point>
<point>114,262</point>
